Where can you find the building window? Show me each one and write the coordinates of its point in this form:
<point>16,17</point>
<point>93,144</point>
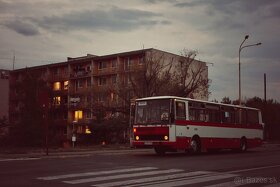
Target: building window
<point>114,63</point>
<point>88,115</point>
<point>127,80</point>
<point>89,68</point>
<point>127,63</point>
<point>141,60</point>
<point>101,98</point>
<point>65,85</point>
<point>88,99</point>
<point>57,100</point>
<point>114,79</point>
<point>56,86</point>
<point>78,115</point>
<point>65,115</point>
<point>56,72</point>
<point>88,82</point>
<point>80,83</point>
<point>102,65</point>
<point>102,81</point>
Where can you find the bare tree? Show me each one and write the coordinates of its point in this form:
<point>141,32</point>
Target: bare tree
<point>190,77</point>
<point>163,73</point>
<point>151,79</point>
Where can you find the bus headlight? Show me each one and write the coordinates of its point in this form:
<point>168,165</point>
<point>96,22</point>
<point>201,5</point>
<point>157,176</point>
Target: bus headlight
<point>137,138</point>
<point>165,137</point>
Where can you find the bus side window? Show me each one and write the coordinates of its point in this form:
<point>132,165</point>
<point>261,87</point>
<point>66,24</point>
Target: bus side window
<point>180,110</point>
<point>244,117</point>
<point>241,119</point>
<point>213,113</point>
<point>253,117</point>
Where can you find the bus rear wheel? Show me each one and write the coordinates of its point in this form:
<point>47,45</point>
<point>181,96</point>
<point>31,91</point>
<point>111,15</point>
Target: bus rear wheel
<point>243,145</point>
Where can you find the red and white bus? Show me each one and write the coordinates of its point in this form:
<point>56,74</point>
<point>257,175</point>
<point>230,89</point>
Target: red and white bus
<point>168,123</point>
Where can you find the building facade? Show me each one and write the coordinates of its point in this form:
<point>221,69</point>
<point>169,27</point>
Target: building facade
<point>80,88</point>
<point>4,101</point>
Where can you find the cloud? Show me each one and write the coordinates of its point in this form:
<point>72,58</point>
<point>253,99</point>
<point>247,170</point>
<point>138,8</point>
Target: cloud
<point>112,19</point>
<point>22,27</point>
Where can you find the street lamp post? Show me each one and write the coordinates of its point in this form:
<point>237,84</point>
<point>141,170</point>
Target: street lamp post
<point>239,68</point>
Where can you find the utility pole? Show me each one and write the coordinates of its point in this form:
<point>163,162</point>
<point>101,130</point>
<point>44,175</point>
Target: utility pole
<point>264,78</point>
<point>264,112</point>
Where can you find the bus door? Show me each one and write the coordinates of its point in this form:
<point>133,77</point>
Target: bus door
<point>180,119</point>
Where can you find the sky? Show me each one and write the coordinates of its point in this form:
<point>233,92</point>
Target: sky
<point>40,32</point>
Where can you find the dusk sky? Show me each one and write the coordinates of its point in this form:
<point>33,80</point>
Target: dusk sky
<point>48,31</point>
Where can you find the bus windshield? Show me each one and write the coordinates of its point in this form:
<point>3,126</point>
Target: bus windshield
<point>153,111</point>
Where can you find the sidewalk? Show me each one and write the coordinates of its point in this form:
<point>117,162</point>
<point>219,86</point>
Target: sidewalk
<point>57,152</point>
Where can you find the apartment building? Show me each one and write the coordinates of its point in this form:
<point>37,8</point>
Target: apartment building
<point>83,86</point>
<point>4,101</point>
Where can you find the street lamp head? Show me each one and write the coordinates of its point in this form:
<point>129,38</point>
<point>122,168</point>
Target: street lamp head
<point>259,43</point>
<point>246,37</point>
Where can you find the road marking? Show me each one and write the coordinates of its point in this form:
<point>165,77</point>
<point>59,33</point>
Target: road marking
<point>151,179</point>
<point>146,176</point>
<point>18,159</point>
<point>250,169</point>
<point>95,173</point>
<point>188,181</point>
<point>122,176</point>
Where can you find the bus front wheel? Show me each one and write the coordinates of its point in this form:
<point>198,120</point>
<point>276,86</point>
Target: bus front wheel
<point>195,146</point>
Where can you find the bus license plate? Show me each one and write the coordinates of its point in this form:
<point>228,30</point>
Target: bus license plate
<point>148,143</point>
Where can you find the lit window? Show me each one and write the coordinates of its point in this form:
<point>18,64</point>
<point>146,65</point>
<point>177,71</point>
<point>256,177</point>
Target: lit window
<point>57,100</point>
<point>65,85</point>
<point>88,131</point>
<point>78,115</point>
<point>56,86</point>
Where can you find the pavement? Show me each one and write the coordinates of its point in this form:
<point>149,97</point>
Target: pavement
<point>60,152</point>
<point>29,153</point>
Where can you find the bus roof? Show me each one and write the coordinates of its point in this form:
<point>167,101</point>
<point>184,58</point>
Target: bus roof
<point>189,99</point>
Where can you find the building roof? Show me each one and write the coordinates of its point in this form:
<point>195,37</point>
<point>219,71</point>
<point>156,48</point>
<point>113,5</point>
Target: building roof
<point>74,60</point>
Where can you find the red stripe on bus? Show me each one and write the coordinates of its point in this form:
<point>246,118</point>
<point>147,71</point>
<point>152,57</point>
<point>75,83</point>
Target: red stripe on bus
<point>151,130</point>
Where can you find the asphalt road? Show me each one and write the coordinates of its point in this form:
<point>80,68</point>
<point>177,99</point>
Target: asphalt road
<point>144,168</point>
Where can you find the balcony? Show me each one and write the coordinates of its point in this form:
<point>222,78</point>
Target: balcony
<point>105,71</point>
<point>79,105</point>
<point>62,106</point>
<point>58,77</point>
<point>80,90</point>
<point>80,74</point>
<point>84,121</point>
